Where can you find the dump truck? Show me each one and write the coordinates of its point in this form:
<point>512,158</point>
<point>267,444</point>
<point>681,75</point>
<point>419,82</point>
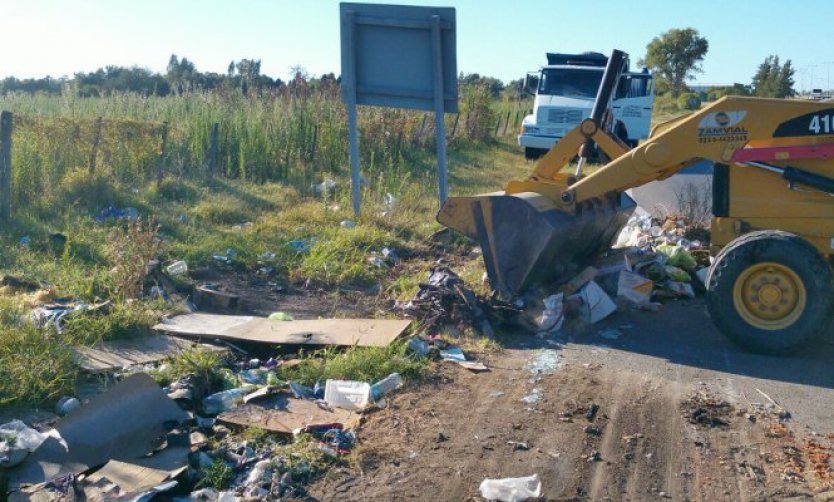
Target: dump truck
<point>770,286</point>
<point>564,93</point>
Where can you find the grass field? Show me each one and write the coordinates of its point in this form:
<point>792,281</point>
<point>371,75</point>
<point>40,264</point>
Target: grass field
<point>271,153</point>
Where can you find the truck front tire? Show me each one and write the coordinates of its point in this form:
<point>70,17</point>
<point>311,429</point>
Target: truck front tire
<point>533,153</point>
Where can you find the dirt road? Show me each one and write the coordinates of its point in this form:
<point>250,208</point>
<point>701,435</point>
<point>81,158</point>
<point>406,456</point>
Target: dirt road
<point>677,419</point>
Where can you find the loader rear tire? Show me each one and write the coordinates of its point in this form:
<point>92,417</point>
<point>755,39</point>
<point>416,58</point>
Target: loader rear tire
<point>770,292</point>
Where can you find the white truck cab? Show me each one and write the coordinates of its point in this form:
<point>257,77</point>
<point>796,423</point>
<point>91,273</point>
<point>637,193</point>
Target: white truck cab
<point>564,92</point>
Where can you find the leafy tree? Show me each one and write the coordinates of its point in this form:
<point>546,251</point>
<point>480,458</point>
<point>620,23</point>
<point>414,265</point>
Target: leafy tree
<point>180,74</point>
<point>675,56</point>
<point>493,85</point>
<point>773,80</point>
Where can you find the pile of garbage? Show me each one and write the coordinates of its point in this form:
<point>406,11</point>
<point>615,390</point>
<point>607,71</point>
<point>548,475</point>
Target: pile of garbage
<point>651,262</point>
<point>235,433</point>
<point>446,300</point>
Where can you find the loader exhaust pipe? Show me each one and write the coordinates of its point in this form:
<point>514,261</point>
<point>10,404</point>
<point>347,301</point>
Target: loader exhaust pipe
<point>610,79</point>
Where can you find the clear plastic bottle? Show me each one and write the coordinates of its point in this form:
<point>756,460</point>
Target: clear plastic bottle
<point>225,400</point>
<point>391,382</point>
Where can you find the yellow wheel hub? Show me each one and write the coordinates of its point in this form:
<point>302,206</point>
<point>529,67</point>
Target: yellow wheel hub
<point>769,296</point>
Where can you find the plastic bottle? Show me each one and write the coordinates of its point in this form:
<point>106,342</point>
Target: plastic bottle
<point>225,400</point>
<point>391,382</point>
<point>177,268</point>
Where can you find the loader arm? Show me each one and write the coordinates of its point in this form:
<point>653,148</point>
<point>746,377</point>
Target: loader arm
<point>714,133</point>
<point>533,230</point>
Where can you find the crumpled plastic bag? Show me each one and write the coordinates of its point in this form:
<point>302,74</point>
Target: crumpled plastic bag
<point>554,313</point>
<point>678,274</point>
<point>511,489</point>
<point>17,440</point>
<point>677,256</point>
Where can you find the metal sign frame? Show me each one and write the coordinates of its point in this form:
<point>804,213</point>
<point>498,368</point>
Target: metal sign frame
<point>398,56</point>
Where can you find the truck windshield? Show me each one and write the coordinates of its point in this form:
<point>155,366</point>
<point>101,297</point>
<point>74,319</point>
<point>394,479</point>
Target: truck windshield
<point>570,82</point>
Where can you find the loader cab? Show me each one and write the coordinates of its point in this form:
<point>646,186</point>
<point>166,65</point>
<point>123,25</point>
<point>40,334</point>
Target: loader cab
<point>565,91</point>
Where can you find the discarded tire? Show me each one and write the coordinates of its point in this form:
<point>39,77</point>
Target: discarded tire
<point>770,292</point>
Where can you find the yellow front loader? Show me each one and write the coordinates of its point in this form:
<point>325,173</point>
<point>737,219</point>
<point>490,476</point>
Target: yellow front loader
<point>770,287</point>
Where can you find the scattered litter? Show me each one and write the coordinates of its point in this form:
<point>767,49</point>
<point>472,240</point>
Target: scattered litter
<point>208,297</point>
<point>390,255</point>
<point>17,441</point>
<point>580,280</point>
<point>445,299</point>
<point>342,332</point>
<point>634,288</point>
<point>179,267</point>
<point>301,246</point>
<point>677,274</point>
<point>419,346</point>
<point>554,313</point>
<point>112,213</point>
<point>66,405</point>
<point>280,316</point>
<point>347,394</point>
<point>25,241</point>
<point>677,256</point>
<point>111,355</point>
<point>226,400</point>
<point>282,413</point>
<point>519,445</point>
<point>453,354</point>
<point>348,224</point>
<point>388,384</point>
<point>610,334</point>
<point>544,362</point>
<point>377,262</point>
<point>326,186</point>
<point>135,413</point>
<point>511,489</point>
<point>596,305</point>
<point>533,397</point>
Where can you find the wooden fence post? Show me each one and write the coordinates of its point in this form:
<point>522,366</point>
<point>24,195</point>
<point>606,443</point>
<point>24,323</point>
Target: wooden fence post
<point>160,170</point>
<point>6,124</point>
<point>212,156</point>
<point>455,125</point>
<point>506,124</point>
<point>313,146</point>
<point>96,140</point>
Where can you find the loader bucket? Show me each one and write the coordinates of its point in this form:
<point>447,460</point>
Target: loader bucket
<point>527,240</point>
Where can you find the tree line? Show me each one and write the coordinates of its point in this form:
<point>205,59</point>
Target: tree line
<point>676,56</point>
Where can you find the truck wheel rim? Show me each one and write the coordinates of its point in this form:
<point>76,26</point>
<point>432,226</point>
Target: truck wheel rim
<point>769,296</point>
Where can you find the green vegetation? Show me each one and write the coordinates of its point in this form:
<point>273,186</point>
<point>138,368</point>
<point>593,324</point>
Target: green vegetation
<point>774,80</point>
<point>368,364</point>
<point>675,56</point>
<point>195,218</point>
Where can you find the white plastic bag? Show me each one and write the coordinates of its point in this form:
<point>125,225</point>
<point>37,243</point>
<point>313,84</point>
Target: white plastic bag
<point>553,314</point>
<point>511,489</point>
<point>347,394</point>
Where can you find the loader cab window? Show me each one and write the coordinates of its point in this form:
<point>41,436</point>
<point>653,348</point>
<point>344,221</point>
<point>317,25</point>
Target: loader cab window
<point>634,86</point>
<point>569,82</point>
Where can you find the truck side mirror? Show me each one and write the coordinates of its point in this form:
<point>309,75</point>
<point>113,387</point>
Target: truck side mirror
<point>531,84</point>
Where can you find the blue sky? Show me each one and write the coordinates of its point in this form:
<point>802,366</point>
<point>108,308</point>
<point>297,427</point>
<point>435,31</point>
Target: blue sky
<point>499,38</point>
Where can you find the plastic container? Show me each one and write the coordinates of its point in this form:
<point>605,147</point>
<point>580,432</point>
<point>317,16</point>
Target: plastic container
<point>391,382</point>
<point>347,394</point>
<point>177,268</point>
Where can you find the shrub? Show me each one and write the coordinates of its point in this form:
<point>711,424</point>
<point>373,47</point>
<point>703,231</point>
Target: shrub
<point>689,101</point>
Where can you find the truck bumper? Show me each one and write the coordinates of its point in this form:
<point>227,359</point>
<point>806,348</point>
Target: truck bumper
<point>534,141</point>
